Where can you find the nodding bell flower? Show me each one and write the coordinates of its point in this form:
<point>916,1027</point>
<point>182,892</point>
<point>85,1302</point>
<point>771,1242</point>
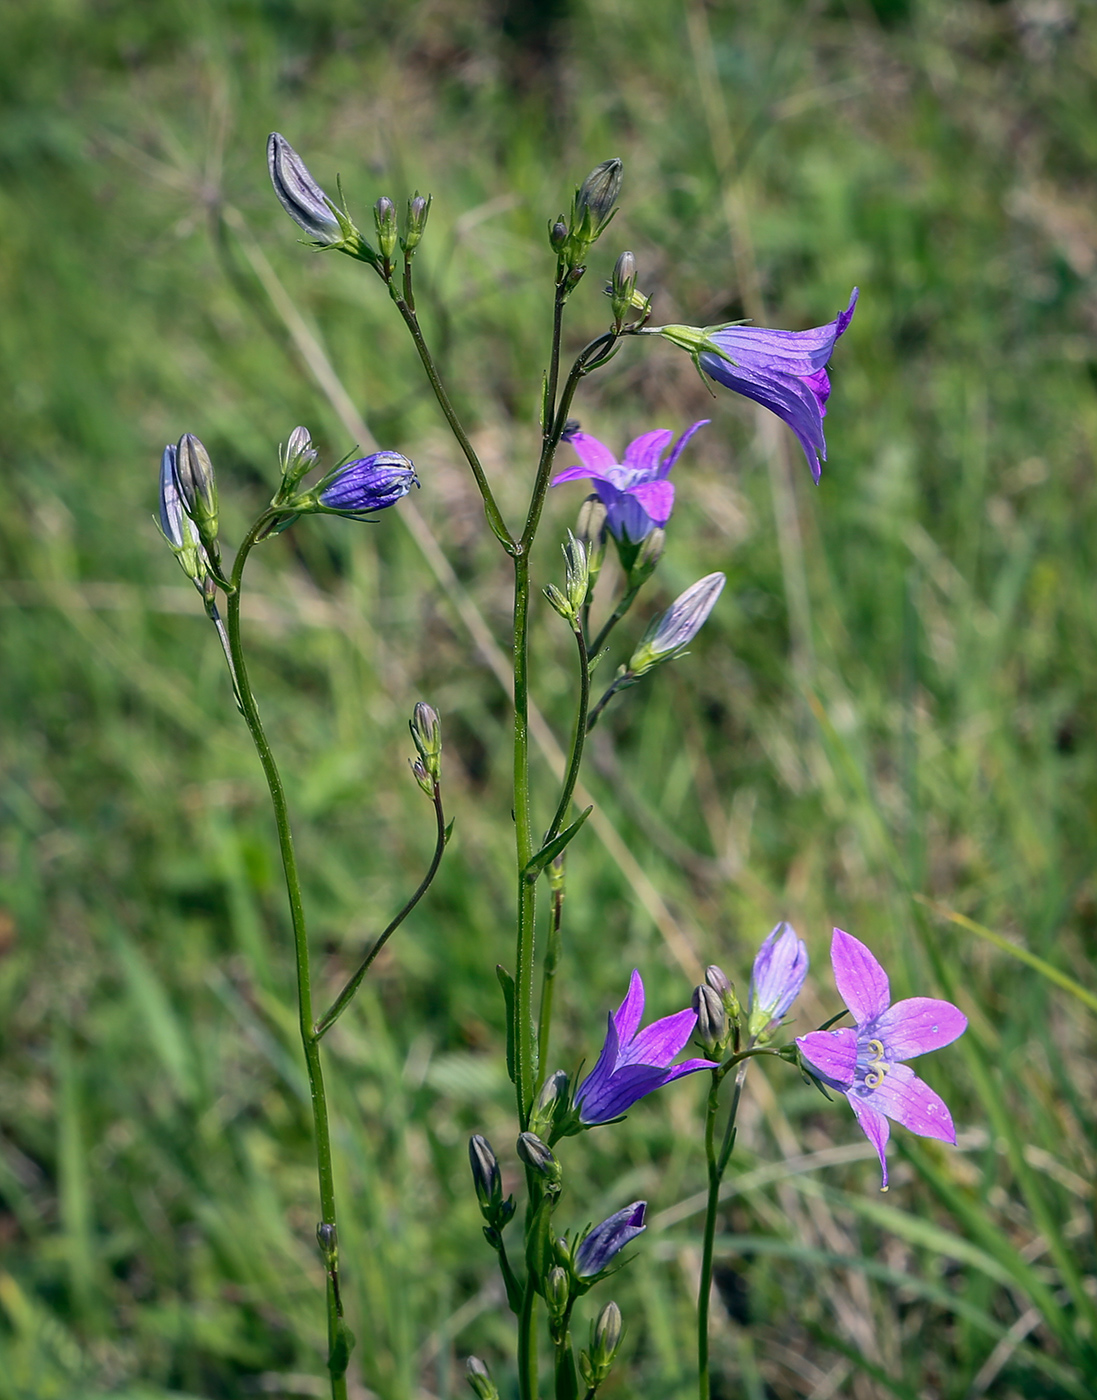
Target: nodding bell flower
<point>784,371</point>
<point>307,204</point>
<point>778,975</point>
<point>359,488</point>
<point>677,627</point>
<point>600,1246</point>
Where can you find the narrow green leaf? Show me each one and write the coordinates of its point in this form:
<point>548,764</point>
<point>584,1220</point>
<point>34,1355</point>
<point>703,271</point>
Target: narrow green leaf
<point>506,981</point>
<point>553,848</point>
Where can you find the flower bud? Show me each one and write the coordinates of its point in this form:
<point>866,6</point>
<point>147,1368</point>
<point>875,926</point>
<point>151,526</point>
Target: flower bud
<point>485,1175</point>
<point>600,1246</point>
<point>558,234</point>
<point>718,980</point>
<point>678,626</point>
<point>537,1156</point>
<point>647,556</point>
<point>298,457</point>
<point>426,732</point>
<point>778,974</point>
<point>197,488</point>
<point>556,1290</point>
<point>384,218</point>
<point>598,192</point>
<point>479,1377</point>
<point>361,487</point>
<point>622,286</point>
<point>607,1336</point>
<point>299,194</point>
<point>176,525</point>
<point>328,1240</point>
<point>418,212</point>
<point>712,1019</point>
<point>590,530</point>
<point>552,1103</point>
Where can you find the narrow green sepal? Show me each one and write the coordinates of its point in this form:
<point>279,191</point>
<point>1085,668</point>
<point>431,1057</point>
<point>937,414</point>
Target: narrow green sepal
<point>553,848</point>
<point>506,981</point>
<point>449,831</point>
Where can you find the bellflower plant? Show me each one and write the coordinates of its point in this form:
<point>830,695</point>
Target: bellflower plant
<point>635,1062</point>
<point>784,371</point>
<point>636,493</point>
<point>543,1276</point>
<point>866,1063</point>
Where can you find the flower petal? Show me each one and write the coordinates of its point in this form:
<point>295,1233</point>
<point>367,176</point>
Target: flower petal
<point>600,1099</point>
<point>861,981</point>
<point>643,453</point>
<point>875,1127</point>
<point>628,1015</point>
<point>658,1043</point>
<point>789,397</point>
<point>676,450</point>
<point>657,499</point>
<point>607,1240</point>
<point>909,1101</point>
<point>576,473</point>
<point>593,454</point>
<point>832,1054</point>
<point>686,1067</point>
<point>917,1025</point>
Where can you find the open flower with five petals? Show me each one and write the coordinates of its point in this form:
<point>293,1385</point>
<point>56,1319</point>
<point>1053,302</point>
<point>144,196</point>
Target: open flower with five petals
<point>635,492</point>
<point>635,1062</point>
<point>867,1063</point>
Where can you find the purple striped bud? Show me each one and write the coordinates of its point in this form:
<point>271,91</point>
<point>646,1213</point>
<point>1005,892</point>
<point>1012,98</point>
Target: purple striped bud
<point>601,1246</point>
<point>365,485</point>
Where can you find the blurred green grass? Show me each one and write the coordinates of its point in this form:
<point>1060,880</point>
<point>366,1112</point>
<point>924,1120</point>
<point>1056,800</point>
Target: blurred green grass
<point>895,696</point>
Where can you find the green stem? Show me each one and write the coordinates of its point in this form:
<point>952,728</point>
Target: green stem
<point>578,739</point>
<point>618,613</point>
<point>411,320</point>
<point>524,1049</point>
<point>342,1001</point>
<point>548,975</point>
<point>619,684</point>
<point>717,1165</point>
<point>310,1044</point>
<point>527,1344</point>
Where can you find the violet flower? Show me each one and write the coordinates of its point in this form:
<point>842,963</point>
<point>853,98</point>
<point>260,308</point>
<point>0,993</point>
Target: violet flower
<point>778,975</point>
<point>607,1240</point>
<point>784,371</point>
<point>866,1065</point>
<point>634,1062</point>
<point>367,484</point>
<point>636,493</point>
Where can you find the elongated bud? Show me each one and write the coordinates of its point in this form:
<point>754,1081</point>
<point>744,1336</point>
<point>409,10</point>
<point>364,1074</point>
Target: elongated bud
<point>558,234</point>
<point>536,1155</point>
<point>712,1019</point>
<point>590,530</point>
<point>485,1174</point>
<point>678,626</point>
<point>299,194</point>
<point>647,557</point>
<point>426,733</point>
<point>778,974</point>
<point>197,487</point>
<point>607,1335</point>
<point>717,979</point>
<point>384,218</point>
<point>418,213</point>
<point>600,1246</point>
<point>599,191</point>
<point>328,1240</point>
<point>359,488</point>
<point>298,457</point>
<point>177,527</point>
<point>552,1104</point>
<point>479,1377</point>
<point>622,286</point>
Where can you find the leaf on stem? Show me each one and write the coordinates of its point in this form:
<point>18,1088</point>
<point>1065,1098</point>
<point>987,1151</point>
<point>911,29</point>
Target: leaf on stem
<point>551,849</point>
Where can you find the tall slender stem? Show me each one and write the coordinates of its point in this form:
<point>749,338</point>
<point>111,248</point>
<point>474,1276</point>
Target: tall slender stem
<point>548,975</point>
<point>717,1165</point>
<point>411,320</point>
<point>318,1097</point>
<point>578,739</point>
<point>524,1048</point>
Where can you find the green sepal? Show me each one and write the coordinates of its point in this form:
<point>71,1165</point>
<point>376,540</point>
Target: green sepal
<point>449,831</point>
<point>341,1348</point>
<point>506,981</point>
<point>553,848</point>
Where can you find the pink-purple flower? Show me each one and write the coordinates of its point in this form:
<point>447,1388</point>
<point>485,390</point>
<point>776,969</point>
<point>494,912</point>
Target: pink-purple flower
<point>636,493</point>
<point>784,371</point>
<point>778,974</point>
<point>867,1063</point>
<point>635,1062</point>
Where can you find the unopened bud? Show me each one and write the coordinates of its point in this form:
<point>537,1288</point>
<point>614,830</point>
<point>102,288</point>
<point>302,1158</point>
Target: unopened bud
<point>558,234</point>
<point>479,1377</point>
<point>485,1175</point>
<point>384,219</point>
<point>299,194</point>
<point>678,626</point>
<point>647,556</point>
<point>197,487</point>
<point>556,1290</point>
<point>176,525</point>
<point>607,1333</point>
<point>720,983</point>
<point>551,1102</point>
<point>599,191</point>
<point>298,456</point>
<point>712,1018</point>
<point>328,1241</point>
<point>622,286</point>
<point>418,211</point>
<point>426,732</point>
<point>537,1156</point>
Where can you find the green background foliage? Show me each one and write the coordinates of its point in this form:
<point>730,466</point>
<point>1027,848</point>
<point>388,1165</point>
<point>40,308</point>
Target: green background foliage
<point>894,697</point>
